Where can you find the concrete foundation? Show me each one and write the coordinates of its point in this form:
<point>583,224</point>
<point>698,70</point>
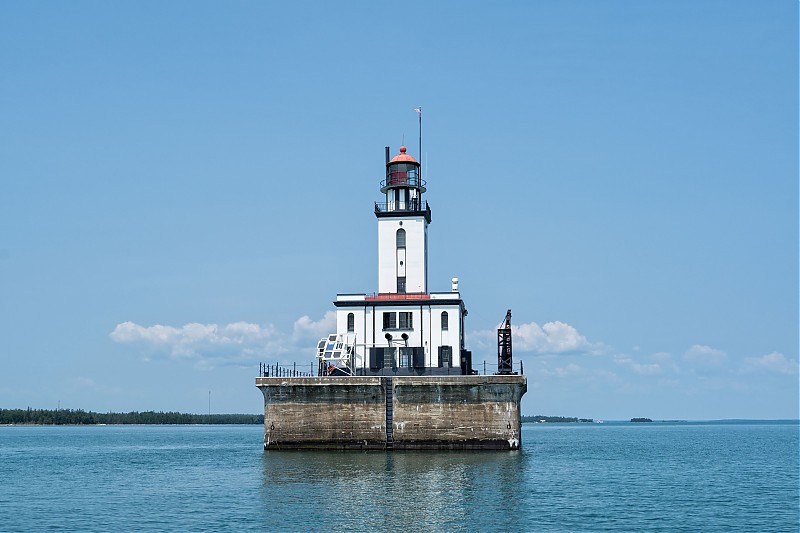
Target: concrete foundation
<point>400,412</point>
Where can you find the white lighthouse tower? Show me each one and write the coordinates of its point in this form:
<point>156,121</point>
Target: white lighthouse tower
<point>403,328</point>
<point>403,228</point>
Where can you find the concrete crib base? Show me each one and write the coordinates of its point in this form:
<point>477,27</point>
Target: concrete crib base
<point>393,413</point>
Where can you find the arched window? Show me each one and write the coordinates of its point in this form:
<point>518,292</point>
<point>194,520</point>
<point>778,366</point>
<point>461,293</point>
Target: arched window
<point>351,322</point>
<point>445,321</point>
<point>401,238</point>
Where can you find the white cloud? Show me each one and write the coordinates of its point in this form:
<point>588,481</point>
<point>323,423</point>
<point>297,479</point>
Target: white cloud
<point>305,328</point>
<point>210,345</point>
<point>666,362</point>
<point>644,369</point>
<point>772,362</point>
<point>239,341</point>
<point>705,355</point>
<point>550,338</point>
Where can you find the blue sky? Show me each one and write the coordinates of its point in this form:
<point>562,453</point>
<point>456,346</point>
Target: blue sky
<point>185,186</point>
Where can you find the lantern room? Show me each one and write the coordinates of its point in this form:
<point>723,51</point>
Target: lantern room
<point>403,185</point>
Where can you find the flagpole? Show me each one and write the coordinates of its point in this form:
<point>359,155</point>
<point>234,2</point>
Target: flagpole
<point>419,110</point>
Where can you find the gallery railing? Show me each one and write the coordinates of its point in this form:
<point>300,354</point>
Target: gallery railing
<point>411,205</point>
<point>266,370</point>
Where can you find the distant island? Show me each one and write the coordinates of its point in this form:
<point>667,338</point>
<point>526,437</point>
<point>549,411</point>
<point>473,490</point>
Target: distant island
<point>79,417</point>
<point>640,420</point>
<point>542,419</point>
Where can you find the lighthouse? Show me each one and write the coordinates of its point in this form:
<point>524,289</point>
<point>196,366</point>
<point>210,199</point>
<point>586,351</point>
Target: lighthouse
<point>402,328</point>
<point>396,374</point>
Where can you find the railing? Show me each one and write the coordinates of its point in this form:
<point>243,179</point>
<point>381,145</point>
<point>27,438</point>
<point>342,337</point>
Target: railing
<point>490,369</point>
<point>403,181</point>
<point>280,371</point>
<point>411,205</point>
<point>289,371</point>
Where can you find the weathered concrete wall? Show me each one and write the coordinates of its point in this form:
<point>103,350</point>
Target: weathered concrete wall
<point>324,412</point>
<point>458,412</point>
<point>429,412</point>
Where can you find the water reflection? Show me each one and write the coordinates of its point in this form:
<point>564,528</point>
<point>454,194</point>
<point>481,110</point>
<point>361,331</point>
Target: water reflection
<point>414,490</point>
<point>676,478</point>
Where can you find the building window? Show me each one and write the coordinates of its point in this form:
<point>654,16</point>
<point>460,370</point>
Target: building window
<point>405,356</point>
<point>389,320</point>
<point>401,238</point>
<point>401,285</point>
<point>351,322</point>
<point>405,321</point>
<point>445,356</point>
<point>445,321</point>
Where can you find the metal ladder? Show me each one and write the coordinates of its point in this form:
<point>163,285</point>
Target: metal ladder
<point>389,412</point>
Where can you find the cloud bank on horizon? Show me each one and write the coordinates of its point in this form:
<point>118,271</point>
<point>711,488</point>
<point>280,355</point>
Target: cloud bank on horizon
<point>212,345</point>
<point>241,343</point>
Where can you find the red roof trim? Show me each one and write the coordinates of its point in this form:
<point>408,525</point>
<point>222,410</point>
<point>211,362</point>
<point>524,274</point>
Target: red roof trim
<point>401,297</point>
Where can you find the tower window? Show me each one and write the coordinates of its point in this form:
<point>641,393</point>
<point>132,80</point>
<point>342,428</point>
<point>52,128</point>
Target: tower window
<point>401,285</point>
<point>401,238</point>
<point>351,322</point>
<point>445,321</point>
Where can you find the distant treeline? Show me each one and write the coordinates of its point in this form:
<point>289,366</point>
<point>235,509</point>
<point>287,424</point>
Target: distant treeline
<point>79,417</point>
<point>554,419</point>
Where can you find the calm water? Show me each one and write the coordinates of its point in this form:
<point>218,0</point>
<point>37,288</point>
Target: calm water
<point>625,477</point>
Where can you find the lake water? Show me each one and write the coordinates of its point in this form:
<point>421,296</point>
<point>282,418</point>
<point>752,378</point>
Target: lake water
<point>571,477</point>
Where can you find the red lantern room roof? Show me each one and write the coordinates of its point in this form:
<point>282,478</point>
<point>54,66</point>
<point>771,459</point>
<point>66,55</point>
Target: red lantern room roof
<point>403,157</point>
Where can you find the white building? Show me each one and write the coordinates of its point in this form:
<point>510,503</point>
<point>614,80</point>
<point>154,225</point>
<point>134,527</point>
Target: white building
<point>403,328</point>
